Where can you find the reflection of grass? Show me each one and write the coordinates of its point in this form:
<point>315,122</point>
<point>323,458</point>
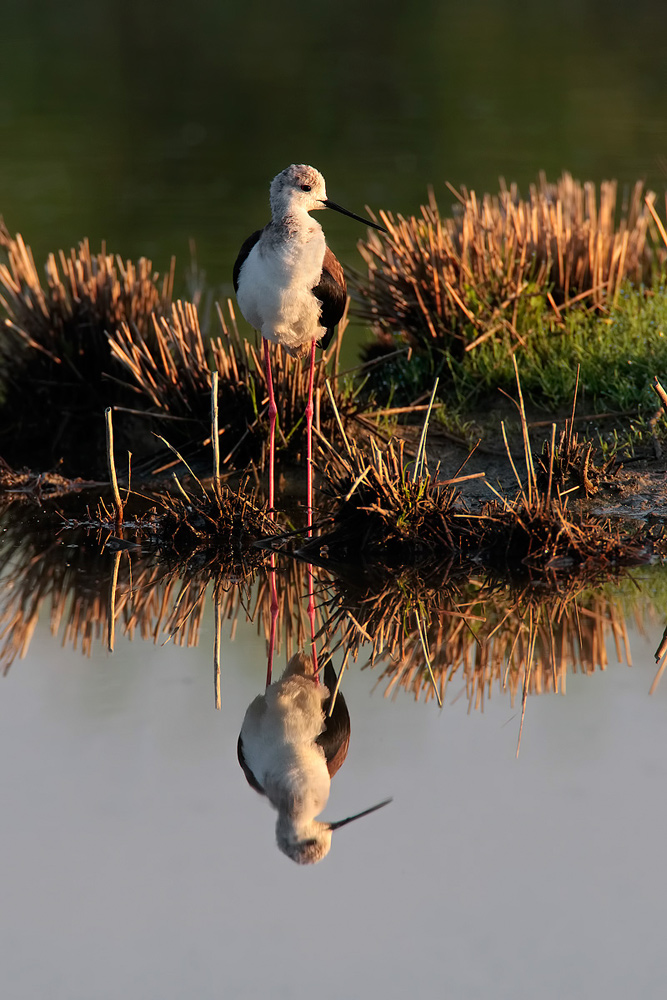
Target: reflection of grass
<point>482,635</point>
<point>82,579</point>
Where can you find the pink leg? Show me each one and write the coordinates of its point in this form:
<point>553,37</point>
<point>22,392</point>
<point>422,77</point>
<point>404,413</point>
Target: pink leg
<point>272,459</point>
<point>309,480</point>
<point>274,617</point>
<point>272,426</point>
<point>311,618</point>
<point>309,432</point>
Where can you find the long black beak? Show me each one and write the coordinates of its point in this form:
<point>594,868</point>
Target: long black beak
<point>344,211</point>
<point>342,822</point>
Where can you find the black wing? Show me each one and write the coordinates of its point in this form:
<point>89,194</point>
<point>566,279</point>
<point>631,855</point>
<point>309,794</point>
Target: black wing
<point>250,777</point>
<point>335,740</point>
<point>243,256</point>
<point>332,293</point>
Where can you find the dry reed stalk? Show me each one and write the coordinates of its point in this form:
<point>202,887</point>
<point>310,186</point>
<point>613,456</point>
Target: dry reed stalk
<point>170,371</point>
<point>215,423</point>
<point>216,648</point>
<point>383,514</point>
<point>118,503</point>
<point>111,629</point>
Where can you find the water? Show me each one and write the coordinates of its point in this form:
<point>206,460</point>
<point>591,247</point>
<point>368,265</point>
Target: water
<point>151,125</point>
<point>136,861</point>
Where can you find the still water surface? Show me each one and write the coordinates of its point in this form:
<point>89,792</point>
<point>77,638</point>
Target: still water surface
<point>151,124</point>
<point>137,861</point>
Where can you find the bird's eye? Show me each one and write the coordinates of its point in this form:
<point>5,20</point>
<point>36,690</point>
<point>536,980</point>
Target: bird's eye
<point>305,187</point>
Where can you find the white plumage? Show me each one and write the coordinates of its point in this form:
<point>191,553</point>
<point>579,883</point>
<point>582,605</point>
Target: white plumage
<point>278,740</point>
<point>292,742</point>
<point>276,291</point>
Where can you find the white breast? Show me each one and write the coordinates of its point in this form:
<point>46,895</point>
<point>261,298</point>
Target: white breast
<point>275,288</point>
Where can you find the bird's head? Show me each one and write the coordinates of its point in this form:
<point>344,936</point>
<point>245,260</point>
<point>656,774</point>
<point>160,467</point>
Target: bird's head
<point>309,842</point>
<point>306,844</point>
<point>297,188</point>
<point>300,188</point>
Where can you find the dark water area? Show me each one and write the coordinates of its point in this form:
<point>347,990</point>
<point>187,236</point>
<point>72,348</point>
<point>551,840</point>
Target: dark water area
<point>136,859</point>
<point>150,125</point>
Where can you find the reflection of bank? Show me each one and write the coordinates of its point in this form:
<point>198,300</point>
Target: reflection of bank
<point>71,577</point>
<point>293,740</point>
<point>477,630</point>
<point>482,632</point>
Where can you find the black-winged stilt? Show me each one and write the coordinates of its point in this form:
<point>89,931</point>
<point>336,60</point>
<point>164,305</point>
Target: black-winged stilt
<point>290,286</point>
<point>290,748</point>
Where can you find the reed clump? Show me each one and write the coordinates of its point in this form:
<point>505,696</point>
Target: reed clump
<point>168,368</point>
<point>539,529</point>
<point>505,276</point>
<point>198,529</point>
<point>447,282</point>
<point>389,515</point>
<point>55,360</point>
<point>573,463</point>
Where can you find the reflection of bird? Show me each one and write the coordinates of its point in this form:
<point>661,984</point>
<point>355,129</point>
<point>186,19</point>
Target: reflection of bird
<point>289,284</point>
<point>290,749</point>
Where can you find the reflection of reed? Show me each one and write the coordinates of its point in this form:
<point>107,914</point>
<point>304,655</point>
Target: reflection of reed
<point>483,635</point>
<point>35,567</point>
<point>79,583</point>
<point>476,632</point>
<point>532,651</point>
<point>95,592</point>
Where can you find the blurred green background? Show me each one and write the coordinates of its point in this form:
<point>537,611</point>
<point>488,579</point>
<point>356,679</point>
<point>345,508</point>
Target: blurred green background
<point>152,123</point>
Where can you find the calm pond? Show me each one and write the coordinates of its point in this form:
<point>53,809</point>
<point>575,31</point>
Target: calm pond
<point>136,859</point>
